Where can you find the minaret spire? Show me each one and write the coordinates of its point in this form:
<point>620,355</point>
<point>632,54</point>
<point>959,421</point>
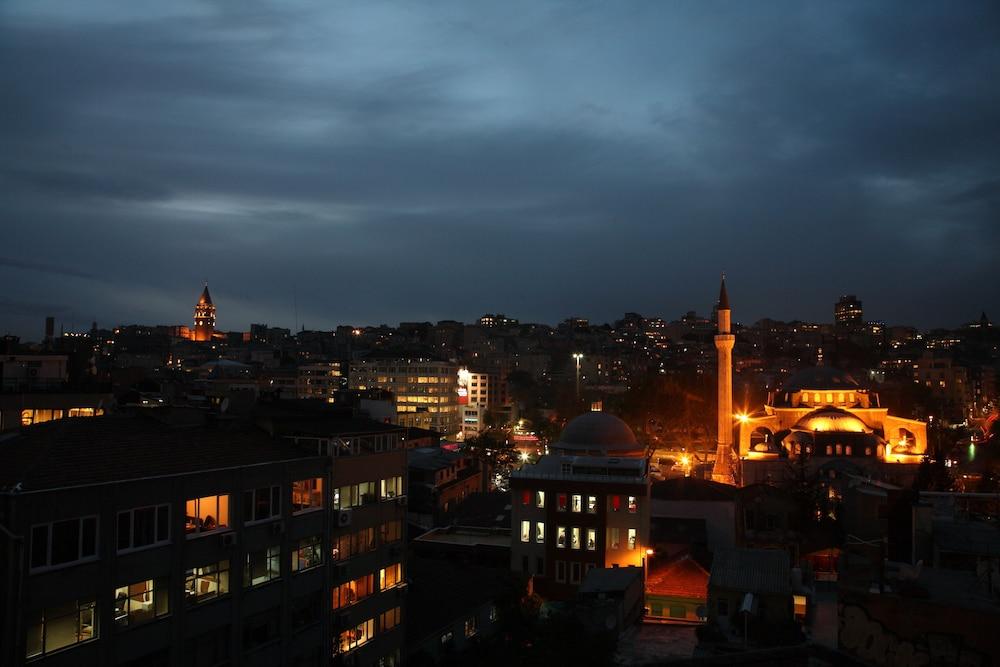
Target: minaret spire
<point>723,471</point>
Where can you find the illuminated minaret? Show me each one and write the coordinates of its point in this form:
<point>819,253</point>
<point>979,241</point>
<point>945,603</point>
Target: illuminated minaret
<point>724,342</point>
<point>204,317</point>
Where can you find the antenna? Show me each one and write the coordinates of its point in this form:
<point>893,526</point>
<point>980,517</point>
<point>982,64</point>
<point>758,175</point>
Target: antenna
<point>295,305</point>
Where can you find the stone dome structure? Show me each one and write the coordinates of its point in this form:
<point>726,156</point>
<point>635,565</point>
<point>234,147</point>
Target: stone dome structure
<point>598,434</point>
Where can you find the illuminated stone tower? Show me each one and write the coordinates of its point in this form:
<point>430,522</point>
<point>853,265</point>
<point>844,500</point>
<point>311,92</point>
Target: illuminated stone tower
<point>204,317</point>
<point>724,342</point>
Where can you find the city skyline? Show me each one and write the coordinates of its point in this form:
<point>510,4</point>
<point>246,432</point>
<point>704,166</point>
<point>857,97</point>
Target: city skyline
<point>379,163</point>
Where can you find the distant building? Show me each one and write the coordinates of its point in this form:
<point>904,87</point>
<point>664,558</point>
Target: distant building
<point>425,389</point>
<point>847,312</point>
<point>33,372</point>
<point>321,380</point>
<point>204,318</point>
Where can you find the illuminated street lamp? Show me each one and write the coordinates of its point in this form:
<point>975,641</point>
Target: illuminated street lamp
<point>578,356</point>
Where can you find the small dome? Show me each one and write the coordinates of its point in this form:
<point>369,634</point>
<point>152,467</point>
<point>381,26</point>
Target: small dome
<point>819,378</point>
<point>832,419</point>
<point>597,433</point>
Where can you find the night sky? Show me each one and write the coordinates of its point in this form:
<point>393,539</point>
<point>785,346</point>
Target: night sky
<point>377,162</point>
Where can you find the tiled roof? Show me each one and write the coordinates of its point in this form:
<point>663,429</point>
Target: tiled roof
<point>681,578</point>
<point>77,452</point>
<point>751,571</point>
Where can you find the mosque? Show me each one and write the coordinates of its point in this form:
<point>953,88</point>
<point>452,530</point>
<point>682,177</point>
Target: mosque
<point>821,417</point>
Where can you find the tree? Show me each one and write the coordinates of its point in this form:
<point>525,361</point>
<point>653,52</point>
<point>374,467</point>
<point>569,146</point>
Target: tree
<point>496,453</point>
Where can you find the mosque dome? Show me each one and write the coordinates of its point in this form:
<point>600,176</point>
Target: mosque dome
<point>818,378</point>
<point>598,434</point>
<point>832,419</point>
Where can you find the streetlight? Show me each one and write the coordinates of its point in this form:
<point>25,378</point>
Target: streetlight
<point>578,356</point>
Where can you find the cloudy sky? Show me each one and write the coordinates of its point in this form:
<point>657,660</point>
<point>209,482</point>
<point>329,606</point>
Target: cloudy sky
<point>374,162</point>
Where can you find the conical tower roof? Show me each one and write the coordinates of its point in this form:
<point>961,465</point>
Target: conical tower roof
<point>723,297</point>
<point>206,298</point>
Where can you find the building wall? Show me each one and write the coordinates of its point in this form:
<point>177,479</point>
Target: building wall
<point>426,392</point>
<point>719,517</point>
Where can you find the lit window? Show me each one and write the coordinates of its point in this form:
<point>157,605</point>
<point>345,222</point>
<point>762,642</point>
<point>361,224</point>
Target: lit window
<point>540,499</point>
<point>631,538</point>
<point>525,531</point>
<point>204,515</point>
<point>357,636</point>
<point>561,504</point>
<point>470,627</point>
<point>591,539</point>
<point>577,503</point>
<point>351,592</point>
<point>206,583</point>
<point>143,527</point>
<point>390,576</point>
<point>561,537</point>
<point>60,626</point>
<point>592,504</point>
<point>141,602</point>
<point>307,494</point>
<point>616,503</point>
<point>848,450</point>
<point>540,532</point>
<point>307,553</point>
<point>615,538</point>
<point>391,531</point>
<point>391,488</point>
<point>829,397</point>
<point>633,504</point>
<point>526,497</point>
<point>390,619</point>
<point>575,538</point>
<point>262,566</point>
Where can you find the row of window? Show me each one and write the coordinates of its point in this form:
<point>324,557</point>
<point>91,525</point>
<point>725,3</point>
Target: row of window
<point>351,592</point>
<point>575,571</point>
<point>38,416</point>
<point>136,603</point>
<point>364,540</point>
<point>575,502</point>
<point>575,533</point>
<point>367,493</point>
<point>72,540</point>
<point>365,631</point>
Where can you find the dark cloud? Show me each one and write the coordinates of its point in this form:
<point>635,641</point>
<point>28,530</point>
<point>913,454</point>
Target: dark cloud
<point>377,163</point>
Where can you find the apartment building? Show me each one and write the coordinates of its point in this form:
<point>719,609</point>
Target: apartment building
<point>127,540</point>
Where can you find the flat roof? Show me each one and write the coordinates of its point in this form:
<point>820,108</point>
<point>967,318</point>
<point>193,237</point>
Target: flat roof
<point>467,536</point>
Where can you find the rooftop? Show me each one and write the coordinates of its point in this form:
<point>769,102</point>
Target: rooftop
<point>751,571</point>
<point>99,450</point>
<point>609,579</point>
<point>467,536</point>
<point>585,468</point>
<point>691,488</point>
<point>820,377</point>
<point>683,577</point>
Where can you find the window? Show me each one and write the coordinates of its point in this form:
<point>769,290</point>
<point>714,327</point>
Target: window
<point>615,538</point>
<point>391,487</point>
<point>561,571</point>
<point>633,504</point>
<point>723,606</point>
<point>631,538</point>
<point>390,619</point>
<point>574,573</point>
<point>63,542</point>
<point>141,602</point>
<point>470,627</point>
<point>307,494</point>
<point>540,532</point>
<point>540,499</point>
<point>561,537</point>
<point>307,553</point>
<point>204,515</point>
<point>446,638</point>
<point>561,502</point>
<point>525,531</point>
<point>208,649</point>
<point>262,566</point>
<point>678,611</point>
<point>357,636</point>
<point>60,626</point>
<point>307,610</point>
<point>391,531</point>
<point>591,539</point>
<point>616,503</point>
<point>526,497</point>
<point>591,504</point>
<point>143,527</point>
<point>574,538</point>
<point>577,503</point>
<point>207,582</point>
<point>262,628</point>
<point>539,566</point>
<point>493,613</point>
<point>261,504</point>
<point>390,576</point>
<point>347,594</point>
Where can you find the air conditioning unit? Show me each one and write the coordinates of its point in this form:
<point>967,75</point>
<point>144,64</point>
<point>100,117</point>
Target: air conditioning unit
<point>229,540</point>
<point>343,518</point>
<point>401,501</point>
<point>278,527</point>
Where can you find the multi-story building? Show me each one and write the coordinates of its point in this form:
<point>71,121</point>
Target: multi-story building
<point>847,312</point>
<point>321,380</point>
<point>127,541</point>
<point>33,372</point>
<point>425,390</point>
<point>574,512</point>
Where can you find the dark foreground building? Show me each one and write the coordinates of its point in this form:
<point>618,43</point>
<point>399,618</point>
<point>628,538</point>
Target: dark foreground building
<point>131,541</point>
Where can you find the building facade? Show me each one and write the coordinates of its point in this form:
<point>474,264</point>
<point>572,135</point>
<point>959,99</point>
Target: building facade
<point>425,390</point>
